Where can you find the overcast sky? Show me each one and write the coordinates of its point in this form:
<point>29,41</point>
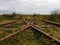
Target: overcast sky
<point>29,6</point>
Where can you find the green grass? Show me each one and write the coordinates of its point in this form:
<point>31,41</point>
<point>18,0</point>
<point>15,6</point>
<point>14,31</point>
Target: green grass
<point>6,29</point>
<point>29,37</point>
<point>50,29</point>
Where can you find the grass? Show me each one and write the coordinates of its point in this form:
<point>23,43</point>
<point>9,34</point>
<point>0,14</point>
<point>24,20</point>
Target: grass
<point>50,29</point>
<point>29,37</point>
<point>10,28</point>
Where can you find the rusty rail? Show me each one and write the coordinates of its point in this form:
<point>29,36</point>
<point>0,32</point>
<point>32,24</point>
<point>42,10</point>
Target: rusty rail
<point>8,23</point>
<point>51,22</point>
<point>13,22</point>
<point>33,26</point>
<point>8,36</point>
<point>25,21</point>
<point>49,36</point>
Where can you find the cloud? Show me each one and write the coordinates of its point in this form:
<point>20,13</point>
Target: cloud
<point>28,6</point>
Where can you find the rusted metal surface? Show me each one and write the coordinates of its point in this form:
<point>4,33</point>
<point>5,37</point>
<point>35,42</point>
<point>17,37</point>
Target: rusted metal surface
<point>33,26</point>
<point>25,21</point>
<point>8,36</point>
<point>13,22</point>
<point>49,36</point>
<point>51,22</point>
<point>8,23</point>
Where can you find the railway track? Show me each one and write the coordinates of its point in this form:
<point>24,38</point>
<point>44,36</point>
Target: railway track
<point>33,26</point>
<point>11,22</point>
<point>50,22</point>
<point>8,22</point>
<point>11,27</point>
<point>49,36</point>
<point>23,27</point>
<point>13,34</point>
<point>52,29</point>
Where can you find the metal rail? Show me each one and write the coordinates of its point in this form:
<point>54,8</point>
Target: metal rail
<point>13,22</point>
<point>51,22</point>
<point>8,23</point>
<point>11,35</point>
<point>49,36</point>
<point>33,26</point>
<point>21,29</point>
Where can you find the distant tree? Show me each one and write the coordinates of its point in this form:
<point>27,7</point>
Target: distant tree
<point>34,15</point>
<point>13,15</point>
<point>9,16</point>
<point>55,12</point>
<point>5,16</point>
<point>54,15</point>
